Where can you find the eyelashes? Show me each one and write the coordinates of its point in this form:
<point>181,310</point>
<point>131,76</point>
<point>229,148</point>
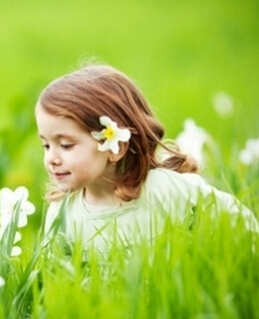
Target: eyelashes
<point>64,146</point>
<point>67,146</point>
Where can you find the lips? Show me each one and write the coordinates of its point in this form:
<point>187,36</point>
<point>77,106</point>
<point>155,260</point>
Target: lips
<point>59,175</point>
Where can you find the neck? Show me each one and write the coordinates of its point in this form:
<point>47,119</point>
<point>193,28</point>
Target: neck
<point>105,197</point>
<point>102,191</point>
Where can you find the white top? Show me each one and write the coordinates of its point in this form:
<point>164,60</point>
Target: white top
<point>165,193</point>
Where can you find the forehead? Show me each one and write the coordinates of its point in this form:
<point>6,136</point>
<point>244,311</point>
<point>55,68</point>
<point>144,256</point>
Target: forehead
<point>50,125</point>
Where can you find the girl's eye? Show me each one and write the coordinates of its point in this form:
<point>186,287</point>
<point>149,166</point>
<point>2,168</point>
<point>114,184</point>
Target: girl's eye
<point>67,146</point>
<point>45,146</point>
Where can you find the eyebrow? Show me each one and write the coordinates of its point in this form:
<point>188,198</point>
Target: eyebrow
<point>60,136</point>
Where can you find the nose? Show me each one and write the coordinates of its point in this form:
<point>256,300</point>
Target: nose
<point>52,157</point>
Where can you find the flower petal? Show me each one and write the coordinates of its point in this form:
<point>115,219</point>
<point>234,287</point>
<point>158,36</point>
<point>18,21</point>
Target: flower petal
<point>16,251</point>
<point>21,193</point>
<point>105,146</point>
<point>192,140</point>
<point>17,237</point>
<point>97,135</point>
<point>124,135</point>
<point>250,154</point>
<point>22,221</point>
<point>27,208</point>
<point>6,195</point>
<point>114,146</point>
<point>106,121</point>
<point>2,281</point>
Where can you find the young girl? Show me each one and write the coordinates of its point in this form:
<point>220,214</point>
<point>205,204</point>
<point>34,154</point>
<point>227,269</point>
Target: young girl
<point>101,148</point>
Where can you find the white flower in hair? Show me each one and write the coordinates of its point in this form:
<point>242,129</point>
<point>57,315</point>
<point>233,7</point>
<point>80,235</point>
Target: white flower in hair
<point>112,135</point>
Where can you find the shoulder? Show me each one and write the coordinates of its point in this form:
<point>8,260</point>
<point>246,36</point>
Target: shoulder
<point>180,190</point>
<point>172,191</point>
<point>161,179</point>
<point>191,185</point>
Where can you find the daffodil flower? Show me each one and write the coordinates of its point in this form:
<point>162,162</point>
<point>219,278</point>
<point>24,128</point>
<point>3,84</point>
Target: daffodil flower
<point>2,281</point>
<point>250,154</point>
<point>223,104</point>
<point>16,250</point>
<point>10,201</point>
<point>192,140</point>
<point>111,135</point>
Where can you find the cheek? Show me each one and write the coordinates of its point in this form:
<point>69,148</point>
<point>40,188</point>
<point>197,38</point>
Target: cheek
<point>95,163</point>
<point>45,161</point>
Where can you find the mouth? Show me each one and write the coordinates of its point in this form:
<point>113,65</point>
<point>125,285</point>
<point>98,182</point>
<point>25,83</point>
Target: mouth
<point>59,176</point>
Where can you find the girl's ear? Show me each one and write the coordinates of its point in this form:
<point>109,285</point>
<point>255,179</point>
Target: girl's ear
<point>123,147</point>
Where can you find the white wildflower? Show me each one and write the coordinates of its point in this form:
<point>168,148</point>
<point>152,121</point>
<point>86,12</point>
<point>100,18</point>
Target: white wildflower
<point>250,154</point>
<point>10,201</point>
<point>223,104</point>
<point>2,281</point>
<point>192,140</point>
<point>111,134</point>
<point>16,250</point>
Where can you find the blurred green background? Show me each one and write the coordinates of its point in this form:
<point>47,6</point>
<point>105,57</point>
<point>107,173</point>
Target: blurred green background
<point>181,54</point>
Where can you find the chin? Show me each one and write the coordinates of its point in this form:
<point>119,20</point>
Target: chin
<point>65,189</point>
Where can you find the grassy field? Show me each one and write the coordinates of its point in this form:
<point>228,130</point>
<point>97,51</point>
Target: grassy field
<point>208,270</point>
<point>183,55</point>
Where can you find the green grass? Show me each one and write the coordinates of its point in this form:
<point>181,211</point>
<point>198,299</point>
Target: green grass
<point>208,271</point>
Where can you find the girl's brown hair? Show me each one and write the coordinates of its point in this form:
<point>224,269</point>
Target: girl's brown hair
<point>98,90</point>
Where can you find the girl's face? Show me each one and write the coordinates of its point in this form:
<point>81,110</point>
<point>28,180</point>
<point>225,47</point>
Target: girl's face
<point>71,156</point>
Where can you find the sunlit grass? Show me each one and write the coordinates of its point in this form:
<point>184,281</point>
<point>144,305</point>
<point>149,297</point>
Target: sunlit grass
<point>209,270</point>
<point>202,269</point>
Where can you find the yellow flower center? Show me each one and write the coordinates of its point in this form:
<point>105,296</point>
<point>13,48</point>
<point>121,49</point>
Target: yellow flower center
<point>109,133</point>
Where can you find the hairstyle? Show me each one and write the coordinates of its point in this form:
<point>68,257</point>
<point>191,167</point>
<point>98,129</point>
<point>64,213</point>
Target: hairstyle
<point>96,90</point>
